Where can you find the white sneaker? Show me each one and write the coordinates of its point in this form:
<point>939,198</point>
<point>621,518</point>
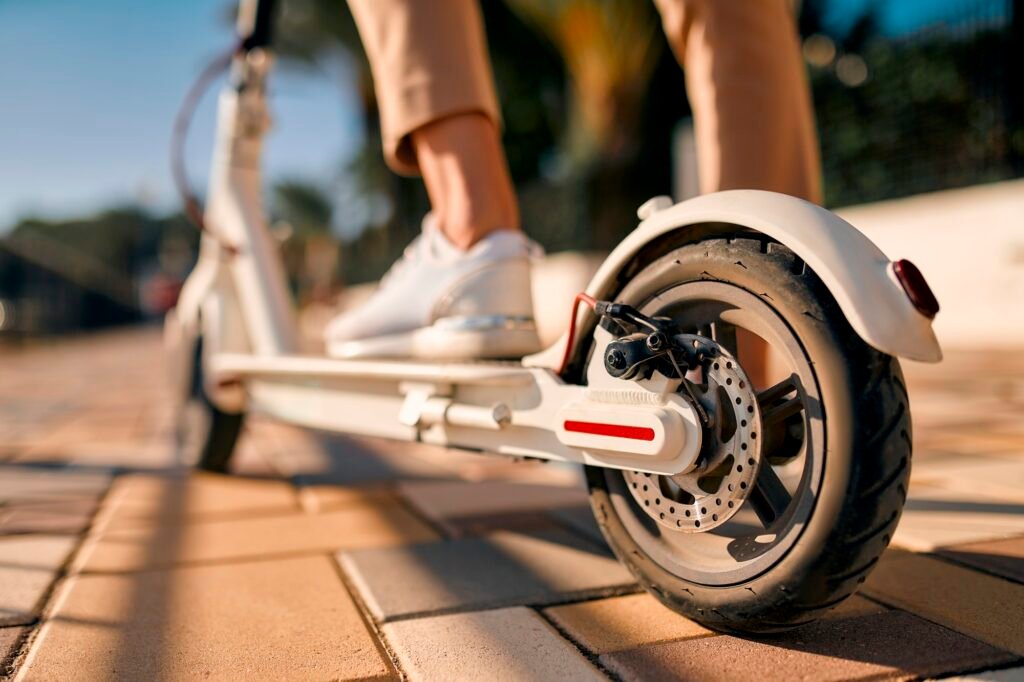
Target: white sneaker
<point>439,302</point>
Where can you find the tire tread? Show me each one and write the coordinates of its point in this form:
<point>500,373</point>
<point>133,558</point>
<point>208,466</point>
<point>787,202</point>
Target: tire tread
<point>879,467</point>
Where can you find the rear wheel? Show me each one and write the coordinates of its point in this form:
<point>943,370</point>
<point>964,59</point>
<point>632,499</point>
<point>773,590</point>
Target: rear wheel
<point>205,435</point>
<point>829,438</point>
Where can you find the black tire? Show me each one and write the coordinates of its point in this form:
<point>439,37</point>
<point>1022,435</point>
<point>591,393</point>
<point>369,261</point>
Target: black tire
<point>866,450</point>
<point>206,435</point>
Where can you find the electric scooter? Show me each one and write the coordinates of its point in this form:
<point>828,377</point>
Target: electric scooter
<point>746,508</point>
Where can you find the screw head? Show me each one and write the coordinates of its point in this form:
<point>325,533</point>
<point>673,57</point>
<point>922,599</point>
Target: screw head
<point>656,341</point>
<point>615,359</point>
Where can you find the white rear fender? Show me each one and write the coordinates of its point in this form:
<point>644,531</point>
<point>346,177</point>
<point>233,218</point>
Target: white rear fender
<point>856,272</point>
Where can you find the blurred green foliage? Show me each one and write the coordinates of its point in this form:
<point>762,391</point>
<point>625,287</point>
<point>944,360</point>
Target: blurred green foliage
<point>932,114</point>
<point>58,275</point>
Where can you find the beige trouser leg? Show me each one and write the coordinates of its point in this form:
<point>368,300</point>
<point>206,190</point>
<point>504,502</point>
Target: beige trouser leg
<point>744,76</point>
<point>748,90</point>
<point>429,61</point>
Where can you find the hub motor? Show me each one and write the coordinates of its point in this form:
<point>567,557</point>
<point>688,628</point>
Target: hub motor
<point>730,457</point>
<point>709,494</point>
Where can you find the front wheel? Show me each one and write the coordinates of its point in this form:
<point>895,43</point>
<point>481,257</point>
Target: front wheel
<point>834,450</point>
<point>205,435</point>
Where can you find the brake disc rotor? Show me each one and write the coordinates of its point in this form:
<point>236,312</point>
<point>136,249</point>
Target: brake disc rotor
<point>711,494</point>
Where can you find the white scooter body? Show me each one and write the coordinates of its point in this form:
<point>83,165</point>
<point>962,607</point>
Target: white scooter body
<point>237,301</point>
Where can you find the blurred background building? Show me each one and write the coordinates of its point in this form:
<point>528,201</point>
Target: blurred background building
<point>912,96</point>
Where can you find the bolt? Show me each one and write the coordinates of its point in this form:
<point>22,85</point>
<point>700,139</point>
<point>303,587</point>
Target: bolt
<point>615,359</point>
<point>656,341</point>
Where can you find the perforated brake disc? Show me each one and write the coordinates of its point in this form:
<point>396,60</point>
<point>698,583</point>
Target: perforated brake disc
<point>730,459</point>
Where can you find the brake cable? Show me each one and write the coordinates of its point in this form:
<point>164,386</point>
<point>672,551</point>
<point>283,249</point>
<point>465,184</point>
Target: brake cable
<point>191,205</point>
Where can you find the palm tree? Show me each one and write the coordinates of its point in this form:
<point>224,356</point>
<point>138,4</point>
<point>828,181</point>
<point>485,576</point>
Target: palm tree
<point>610,48</point>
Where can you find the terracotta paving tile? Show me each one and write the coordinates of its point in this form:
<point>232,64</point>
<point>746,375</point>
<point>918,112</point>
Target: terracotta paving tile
<point>855,607</point>
<point>76,442</point>
<point>249,462</point>
<point>978,605</point>
<point>367,525</point>
<point>61,516</point>
<point>1005,675</point>
<point>110,456</point>
<point>484,467</point>
<point>936,517</point>
<point>998,477</point>
<point>337,460</point>
<point>983,443</point>
<point>466,508</point>
<point>470,526</point>
<point>928,462</point>
<point>320,498</point>
<point>580,520</point>
<point>1002,557</point>
<point>498,570</point>
<point>265,431</point>
<point>1011,424</point>
<point>28,566</point>
<point>9,639</point>
<point>7,451</point>
<point>456,502</point>
<point>619,623</point>
<point>932,470</point>
<point>139,500</point>
<point>66,424</point>
<point>282,619</point>
<point>507,644</point>
<point>25,483</point>
<point>357,459</point>
<point>947,412</point>
<point>868,648</point>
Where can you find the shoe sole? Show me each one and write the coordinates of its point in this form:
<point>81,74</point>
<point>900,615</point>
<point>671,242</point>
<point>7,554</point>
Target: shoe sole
<point>465,339</point>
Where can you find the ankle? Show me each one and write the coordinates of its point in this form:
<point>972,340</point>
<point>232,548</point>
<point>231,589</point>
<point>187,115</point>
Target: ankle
<point>469,224</point>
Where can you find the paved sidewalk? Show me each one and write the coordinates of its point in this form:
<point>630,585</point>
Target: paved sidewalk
<point>335,558</point>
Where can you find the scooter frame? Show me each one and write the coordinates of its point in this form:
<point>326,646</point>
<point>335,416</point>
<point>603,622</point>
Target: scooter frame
<point>236,300</point>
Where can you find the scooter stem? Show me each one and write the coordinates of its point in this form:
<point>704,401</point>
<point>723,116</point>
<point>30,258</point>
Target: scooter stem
<point>235,209</point>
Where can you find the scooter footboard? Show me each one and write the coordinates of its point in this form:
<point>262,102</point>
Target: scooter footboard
<point>505,409</point>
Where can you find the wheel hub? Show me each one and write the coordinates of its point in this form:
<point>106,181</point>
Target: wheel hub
<point>730,459</point>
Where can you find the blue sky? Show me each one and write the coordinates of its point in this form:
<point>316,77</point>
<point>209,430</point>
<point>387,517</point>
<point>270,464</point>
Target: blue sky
<point>89,90</point>
<point>899,17</point>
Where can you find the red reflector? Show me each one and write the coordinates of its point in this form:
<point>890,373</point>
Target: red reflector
<point>918,291</point>
<point>613,430</point>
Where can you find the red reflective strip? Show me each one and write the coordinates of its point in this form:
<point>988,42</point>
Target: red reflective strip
<point>613,430</point>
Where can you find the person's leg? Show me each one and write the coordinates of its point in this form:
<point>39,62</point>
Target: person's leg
<point>466,174</point>
<point>463,288</point>
<point>748,88</point>
<point>439,112</point>
<point>753,119</point>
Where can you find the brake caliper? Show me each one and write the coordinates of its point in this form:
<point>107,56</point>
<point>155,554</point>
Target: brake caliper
<point>711,493</point>
<point>646,344</point>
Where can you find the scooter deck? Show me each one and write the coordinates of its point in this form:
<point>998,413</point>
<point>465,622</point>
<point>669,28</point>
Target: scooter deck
<point>504,408</point>
<point>376,397</point>
<point>296,366</point>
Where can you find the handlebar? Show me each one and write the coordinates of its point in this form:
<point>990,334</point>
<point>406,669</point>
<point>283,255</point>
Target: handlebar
<point>255,23</point>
